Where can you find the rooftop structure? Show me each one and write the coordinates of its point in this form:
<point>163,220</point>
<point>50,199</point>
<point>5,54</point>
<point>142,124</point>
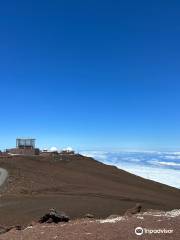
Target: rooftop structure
<point>25,143</point>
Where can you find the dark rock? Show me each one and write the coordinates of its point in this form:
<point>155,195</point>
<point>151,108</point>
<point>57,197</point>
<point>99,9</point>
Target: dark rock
<point>88,215</point>
<point>133,210</point>
<point>54,217</point>
<point>2,230</point>
<point>18,227</point>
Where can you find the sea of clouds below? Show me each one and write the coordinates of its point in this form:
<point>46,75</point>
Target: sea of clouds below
<point>163,167</point>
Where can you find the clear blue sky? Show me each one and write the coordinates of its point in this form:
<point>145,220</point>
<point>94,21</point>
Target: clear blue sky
<point>90,74</point>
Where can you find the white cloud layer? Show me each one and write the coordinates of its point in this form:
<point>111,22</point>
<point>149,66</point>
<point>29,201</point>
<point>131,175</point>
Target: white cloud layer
<point>155,166</point>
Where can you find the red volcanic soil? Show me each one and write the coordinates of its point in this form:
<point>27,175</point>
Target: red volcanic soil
<point>156,225</point>
<point>76,185</point>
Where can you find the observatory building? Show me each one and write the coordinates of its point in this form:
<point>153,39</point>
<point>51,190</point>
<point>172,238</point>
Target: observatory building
<point>24,146</point>
<point>25,143</point>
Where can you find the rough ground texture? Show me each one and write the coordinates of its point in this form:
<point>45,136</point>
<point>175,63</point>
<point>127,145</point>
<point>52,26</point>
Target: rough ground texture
<point>76,185</point>
<point>119,228</point>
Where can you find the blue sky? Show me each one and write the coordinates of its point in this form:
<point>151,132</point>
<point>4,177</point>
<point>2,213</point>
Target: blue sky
<point>90,74</point>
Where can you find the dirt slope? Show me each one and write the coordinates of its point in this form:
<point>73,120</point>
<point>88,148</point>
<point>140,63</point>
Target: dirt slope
<point>76,185</point>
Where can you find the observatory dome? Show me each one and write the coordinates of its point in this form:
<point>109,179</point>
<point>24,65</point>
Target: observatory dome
<point>53,149</point>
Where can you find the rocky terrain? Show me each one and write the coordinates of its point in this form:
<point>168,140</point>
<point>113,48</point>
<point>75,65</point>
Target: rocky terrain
<point>152,225</point>
<point>79,185</point>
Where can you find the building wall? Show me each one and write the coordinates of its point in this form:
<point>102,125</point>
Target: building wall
<point>24,151</point>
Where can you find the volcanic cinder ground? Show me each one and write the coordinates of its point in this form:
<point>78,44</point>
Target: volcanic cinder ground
<point>76,185</point>
<point>154,225</point>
